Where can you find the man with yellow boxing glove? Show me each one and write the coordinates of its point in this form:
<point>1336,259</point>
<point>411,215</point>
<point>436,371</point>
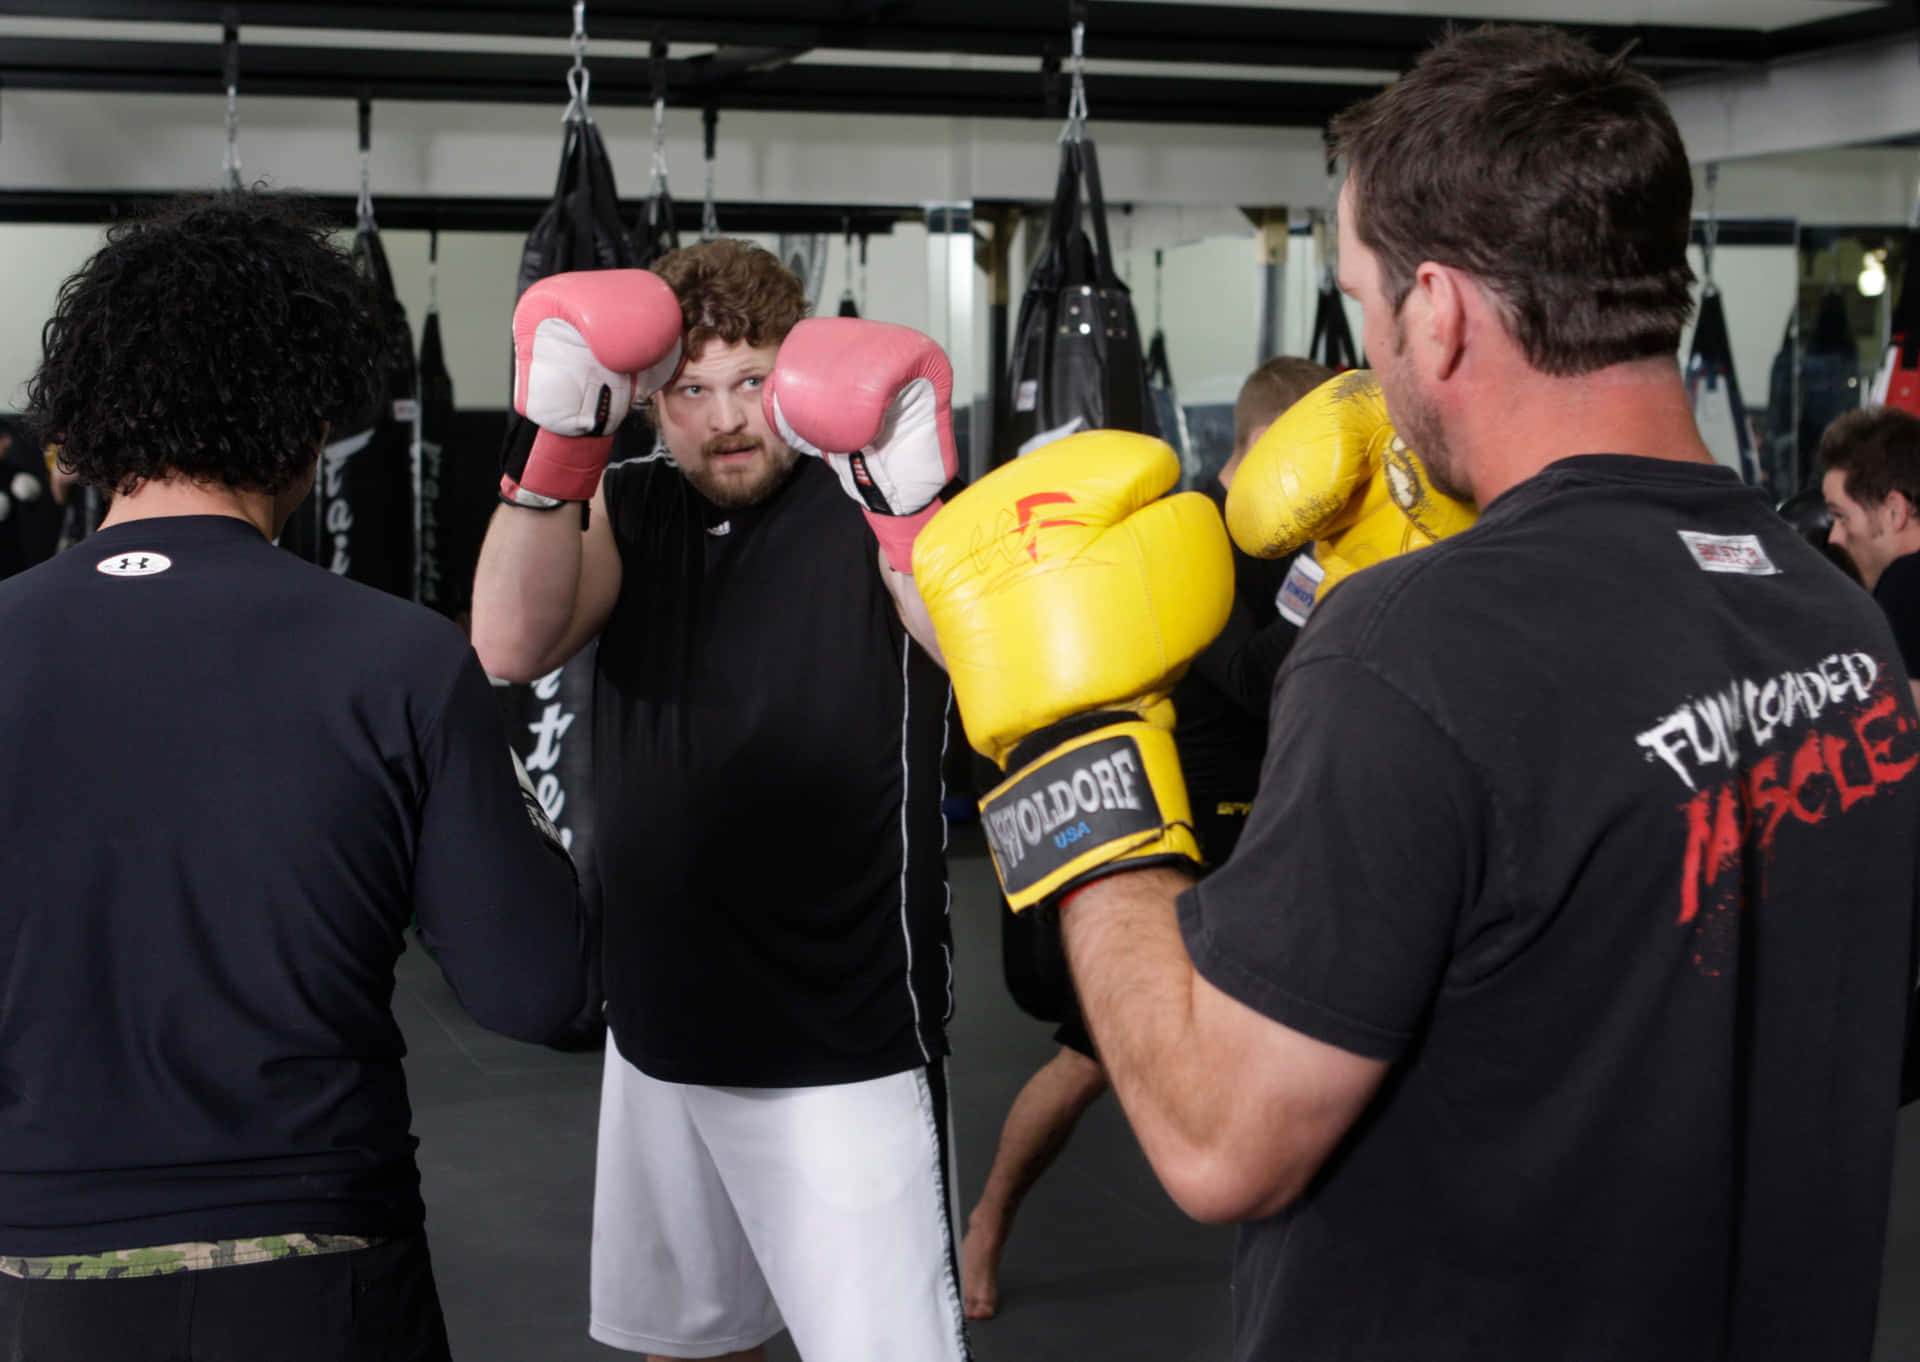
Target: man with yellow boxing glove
<point>1497,1027</point>
<point>1069,594</point>
<point>1333,472</point>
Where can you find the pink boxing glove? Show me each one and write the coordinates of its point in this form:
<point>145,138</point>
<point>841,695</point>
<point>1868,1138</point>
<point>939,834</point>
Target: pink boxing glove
<point>587,345</point>
<point>876,402</point>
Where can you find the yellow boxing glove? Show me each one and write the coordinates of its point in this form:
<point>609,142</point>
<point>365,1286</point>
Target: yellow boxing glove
<point>1332,470</point>
<point>1069,593</point>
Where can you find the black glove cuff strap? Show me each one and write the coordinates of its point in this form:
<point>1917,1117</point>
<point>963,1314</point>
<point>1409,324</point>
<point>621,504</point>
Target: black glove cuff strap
<point>1036,745</point>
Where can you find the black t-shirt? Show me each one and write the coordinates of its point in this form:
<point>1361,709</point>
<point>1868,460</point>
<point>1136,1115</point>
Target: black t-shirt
<point>1220,705</point>
<point>231,779</point>
<point>1614,858</point>
<point>1898,592</point>
<point>767,743</point>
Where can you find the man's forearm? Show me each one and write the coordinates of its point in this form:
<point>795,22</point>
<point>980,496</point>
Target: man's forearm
<point>913,611</point>
<point>1136,985</point>
<point>525,589</point>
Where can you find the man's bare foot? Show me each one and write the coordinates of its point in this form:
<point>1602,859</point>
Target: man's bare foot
<point>980,1265</point>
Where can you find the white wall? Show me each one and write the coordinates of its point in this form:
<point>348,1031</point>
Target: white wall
<point>1210,311</point>
<point>476,279</point>
<point>61,140</point>
<point>1185,184</point>
<point>478,269</point>
<point>1851,186</point>
<point>34,261</point>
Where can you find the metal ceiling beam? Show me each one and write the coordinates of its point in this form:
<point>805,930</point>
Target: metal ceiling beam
<point>486,77</point>
<point>1138,30</point>
<point>423,213</point>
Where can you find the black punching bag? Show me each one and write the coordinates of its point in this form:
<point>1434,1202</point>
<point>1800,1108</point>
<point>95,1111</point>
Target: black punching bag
<point>359,521</point>
<point>581,228</point>
<point>1332,343</point>
<point>849,305</point>
<point>1077,363</point>
<point>550,722</point>
<point>1715,392</point>
<point>446,564</point>
<point>1779,448</point>
<point>658,230</point>
<point>1829,382</point>
<point>1166,417</point>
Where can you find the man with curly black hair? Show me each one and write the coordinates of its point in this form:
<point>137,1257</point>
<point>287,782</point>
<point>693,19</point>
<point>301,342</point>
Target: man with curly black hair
<point>205,873</point>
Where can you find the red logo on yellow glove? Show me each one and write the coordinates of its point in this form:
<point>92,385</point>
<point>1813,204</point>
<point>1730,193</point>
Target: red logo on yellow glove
<point>1025,506</point>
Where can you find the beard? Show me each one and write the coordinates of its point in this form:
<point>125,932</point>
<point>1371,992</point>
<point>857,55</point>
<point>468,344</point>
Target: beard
<point>745,484</point>
<point>1420,428</point>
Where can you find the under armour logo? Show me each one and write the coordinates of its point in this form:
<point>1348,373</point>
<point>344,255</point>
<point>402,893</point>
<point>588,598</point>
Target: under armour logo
<point>134,564</point>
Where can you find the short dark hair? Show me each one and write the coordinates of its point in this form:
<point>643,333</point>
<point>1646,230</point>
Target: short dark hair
<point>1553,174</point>
<point>731,291</point>
<point>214,340</point>
<point>1271,389</point>
<point>1877,450</point>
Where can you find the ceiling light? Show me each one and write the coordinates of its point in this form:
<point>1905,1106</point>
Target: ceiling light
<point>1873,274</point>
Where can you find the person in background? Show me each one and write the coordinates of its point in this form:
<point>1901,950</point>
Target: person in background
<point>1870,477</point>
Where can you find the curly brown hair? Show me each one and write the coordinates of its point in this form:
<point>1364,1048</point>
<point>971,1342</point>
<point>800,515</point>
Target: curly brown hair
<point>731,291</point>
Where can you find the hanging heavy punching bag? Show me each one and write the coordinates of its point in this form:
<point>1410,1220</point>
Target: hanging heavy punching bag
<point>849,306</point>
<point>1332,340</point>
<point>1778,448</point>
<point>1829,381</point>
<point>1332,343</point>
<point>445,562</point>
<point>1167,417</point>
<point>1712,389</point>
<point>364,494</point>
<point>1077,363</point>
<point>805,253</point>
<point>581,228</point>
<point>550,722</point>
<point>657,232</point>
<point>1715,391</point>
<point>359,521</point>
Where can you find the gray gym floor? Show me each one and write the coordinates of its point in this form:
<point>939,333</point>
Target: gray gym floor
<point>1100,1263</point>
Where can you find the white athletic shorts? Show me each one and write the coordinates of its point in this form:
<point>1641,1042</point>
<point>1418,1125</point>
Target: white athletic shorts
<point>721,1215</point>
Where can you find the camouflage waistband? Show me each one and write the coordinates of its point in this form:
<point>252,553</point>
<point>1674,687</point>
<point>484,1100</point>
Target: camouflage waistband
<point>156,1262</point>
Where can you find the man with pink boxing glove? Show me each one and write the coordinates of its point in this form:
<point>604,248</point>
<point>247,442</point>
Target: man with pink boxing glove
<point>767,742</point>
